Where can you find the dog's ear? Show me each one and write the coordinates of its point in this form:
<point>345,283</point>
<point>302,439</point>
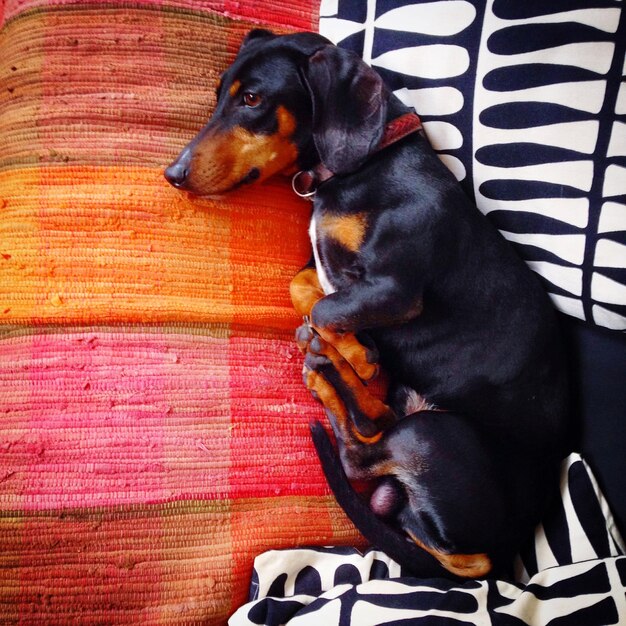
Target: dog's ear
<point>301,43</point>
<point>306,44</point>
<point>349,108</point>
<point>256,34</point>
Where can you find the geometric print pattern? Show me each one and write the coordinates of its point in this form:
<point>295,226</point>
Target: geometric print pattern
<point>589,593</point>
<point>526,103</point>
<point>573,573</point>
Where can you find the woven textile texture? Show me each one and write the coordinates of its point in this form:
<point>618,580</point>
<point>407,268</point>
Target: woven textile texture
<point>153,423</point>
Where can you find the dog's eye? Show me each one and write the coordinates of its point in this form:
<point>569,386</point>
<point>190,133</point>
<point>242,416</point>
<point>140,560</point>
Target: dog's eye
<point>251,100</point>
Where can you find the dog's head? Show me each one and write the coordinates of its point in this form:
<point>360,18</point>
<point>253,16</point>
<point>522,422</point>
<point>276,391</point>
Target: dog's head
<point>284,104</point>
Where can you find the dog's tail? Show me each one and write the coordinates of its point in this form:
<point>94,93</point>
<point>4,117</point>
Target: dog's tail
<point>411,557</point>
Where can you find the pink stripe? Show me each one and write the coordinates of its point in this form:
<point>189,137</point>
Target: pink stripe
<point>107,418</point>
<point>272,451</point>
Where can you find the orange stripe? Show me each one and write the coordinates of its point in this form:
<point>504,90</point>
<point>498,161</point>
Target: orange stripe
<point>178,563</point>
<point>87,244</point>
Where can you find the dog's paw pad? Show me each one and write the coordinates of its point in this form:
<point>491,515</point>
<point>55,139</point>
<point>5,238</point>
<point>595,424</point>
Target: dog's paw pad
<point>316,345</point>
<point>313,361</point>
<point>304,334</point>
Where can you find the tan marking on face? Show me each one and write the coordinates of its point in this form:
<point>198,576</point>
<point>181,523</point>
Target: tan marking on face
<point>348,230</point>
<point>286,122</point>
<point>223,159</point>
<point>466,565</point>
<point>234,88</point>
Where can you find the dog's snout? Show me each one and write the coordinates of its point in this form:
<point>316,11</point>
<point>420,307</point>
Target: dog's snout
<point>177,173</point>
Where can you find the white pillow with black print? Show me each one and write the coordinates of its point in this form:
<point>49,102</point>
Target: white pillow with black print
<point>526,104</point>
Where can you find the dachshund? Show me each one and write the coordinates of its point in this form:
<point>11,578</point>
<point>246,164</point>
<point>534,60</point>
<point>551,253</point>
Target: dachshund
<point>407,276</point>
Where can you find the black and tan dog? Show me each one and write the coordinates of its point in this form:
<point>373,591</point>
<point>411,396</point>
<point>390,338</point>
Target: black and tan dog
<point>464,451</point>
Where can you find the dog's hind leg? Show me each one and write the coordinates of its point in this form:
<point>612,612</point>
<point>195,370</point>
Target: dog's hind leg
<point>433,472</point>
<point>366,416</point>
<point>359,418</point>
<point>380,533</point>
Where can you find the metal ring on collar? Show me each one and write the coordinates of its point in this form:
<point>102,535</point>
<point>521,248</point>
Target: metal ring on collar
<point>303,194</point>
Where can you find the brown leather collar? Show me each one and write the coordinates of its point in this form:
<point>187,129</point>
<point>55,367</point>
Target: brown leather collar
<point>306,182</point>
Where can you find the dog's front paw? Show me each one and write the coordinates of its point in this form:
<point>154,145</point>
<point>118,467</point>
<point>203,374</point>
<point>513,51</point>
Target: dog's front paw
<point>362,358</point>
<point>360,353</point>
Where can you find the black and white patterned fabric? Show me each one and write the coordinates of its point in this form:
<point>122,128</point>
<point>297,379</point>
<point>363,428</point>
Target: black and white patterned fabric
<point>525,101</point>
<point>573,574</point>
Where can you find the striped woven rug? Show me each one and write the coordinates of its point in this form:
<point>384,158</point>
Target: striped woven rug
<point>153,424</point>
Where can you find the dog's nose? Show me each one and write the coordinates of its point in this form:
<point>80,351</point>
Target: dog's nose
<point>176,173</point>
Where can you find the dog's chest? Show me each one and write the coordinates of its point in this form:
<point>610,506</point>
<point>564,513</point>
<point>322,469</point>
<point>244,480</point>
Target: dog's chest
<point>319,265</point>
<point>336,240</point>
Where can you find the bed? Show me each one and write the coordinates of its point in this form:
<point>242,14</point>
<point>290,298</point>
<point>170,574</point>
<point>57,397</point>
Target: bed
<point>153,424</point>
